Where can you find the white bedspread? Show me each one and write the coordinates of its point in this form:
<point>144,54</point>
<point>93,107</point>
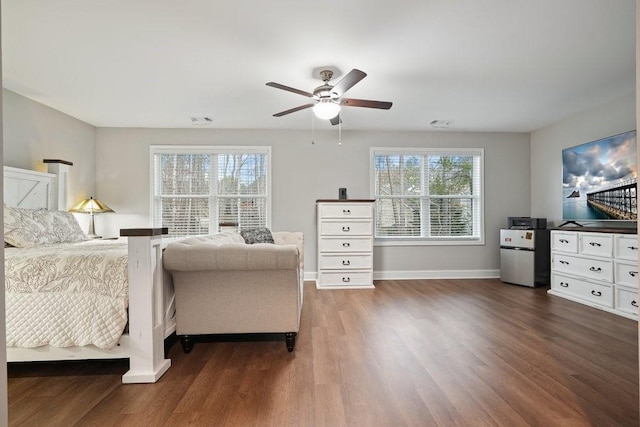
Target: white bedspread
<point>66,294</point>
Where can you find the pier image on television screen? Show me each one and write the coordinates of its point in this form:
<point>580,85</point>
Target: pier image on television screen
<point>599,180</point>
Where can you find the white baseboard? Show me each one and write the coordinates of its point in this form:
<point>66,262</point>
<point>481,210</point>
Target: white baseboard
<point>424,274</point>
<point>436,274</point>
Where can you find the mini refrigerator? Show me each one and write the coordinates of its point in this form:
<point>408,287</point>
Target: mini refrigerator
<point>524,257</point>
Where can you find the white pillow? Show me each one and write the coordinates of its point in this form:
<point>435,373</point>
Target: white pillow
<point>21,229</point>
<point>28,227</point>
<point>61,227</point>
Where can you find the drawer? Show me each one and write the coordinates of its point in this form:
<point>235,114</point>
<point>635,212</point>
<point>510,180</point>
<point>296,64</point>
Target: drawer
<point>626,273</point>
<point>591,268</point>
<point>565,242</point>
<point>599,293</point>
<point>346,279</point>
<point>597,244</point>
<point>346,228</point>
<point>346,210</point>
<point>626,247</point>
<point>346,262</point>
<point>627,300</point>
<point>349,244</point>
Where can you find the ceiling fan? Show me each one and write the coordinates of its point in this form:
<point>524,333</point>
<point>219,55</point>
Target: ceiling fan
<point>327,99</point>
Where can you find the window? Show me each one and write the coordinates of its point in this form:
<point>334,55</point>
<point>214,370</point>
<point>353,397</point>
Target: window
<point>427,196</point>
<point>198,189</point>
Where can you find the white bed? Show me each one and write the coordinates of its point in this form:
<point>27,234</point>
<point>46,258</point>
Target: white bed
<point>55,312</point>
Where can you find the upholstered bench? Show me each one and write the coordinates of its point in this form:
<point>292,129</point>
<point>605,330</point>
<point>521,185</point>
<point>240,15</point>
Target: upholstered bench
<point>226,286</point>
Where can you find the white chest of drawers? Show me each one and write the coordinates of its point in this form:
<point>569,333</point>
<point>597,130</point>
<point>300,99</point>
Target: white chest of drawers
<point>345,244</point>
<point>596,269</point>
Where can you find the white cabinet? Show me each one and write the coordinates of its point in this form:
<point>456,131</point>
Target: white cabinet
<point>345,244</point>
<point>596,269</point>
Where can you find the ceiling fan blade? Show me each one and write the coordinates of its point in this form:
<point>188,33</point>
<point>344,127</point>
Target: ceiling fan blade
<point>336,120</point>
<point>293,110</point>
<point>290,89</point>
<point>348,81</point>
<point>350,102</point>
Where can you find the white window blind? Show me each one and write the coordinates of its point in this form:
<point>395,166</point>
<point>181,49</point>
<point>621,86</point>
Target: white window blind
<point>428,194</point>
<point>196,190</point>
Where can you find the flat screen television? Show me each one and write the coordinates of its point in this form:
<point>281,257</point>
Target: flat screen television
<point>599,180</point>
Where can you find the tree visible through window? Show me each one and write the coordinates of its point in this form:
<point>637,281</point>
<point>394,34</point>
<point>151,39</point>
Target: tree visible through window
<point>196,190</point>
<point>428,194</point>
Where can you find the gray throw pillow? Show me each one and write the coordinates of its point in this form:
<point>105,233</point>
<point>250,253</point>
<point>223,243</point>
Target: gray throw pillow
<point>257,235</point>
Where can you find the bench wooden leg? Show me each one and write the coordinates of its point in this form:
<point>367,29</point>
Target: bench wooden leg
<point>290,338</point>
<point>187,343</point>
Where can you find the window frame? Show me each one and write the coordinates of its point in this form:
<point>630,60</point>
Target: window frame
<point>424,240</point>
<point>211,150</point>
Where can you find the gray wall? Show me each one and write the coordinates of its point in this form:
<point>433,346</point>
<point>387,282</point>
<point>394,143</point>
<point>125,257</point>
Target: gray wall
<point>522,177</point>
<point>33,132</point>
<point>304,172</point>
<point>547,144</point>
<point>4,403</point>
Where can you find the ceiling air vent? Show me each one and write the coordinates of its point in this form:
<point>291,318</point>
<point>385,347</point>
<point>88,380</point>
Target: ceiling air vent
<point>441,124</point>
<point>201,121</point>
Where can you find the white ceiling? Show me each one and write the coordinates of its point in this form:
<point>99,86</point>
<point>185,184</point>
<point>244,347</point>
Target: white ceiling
<point>487,65</point>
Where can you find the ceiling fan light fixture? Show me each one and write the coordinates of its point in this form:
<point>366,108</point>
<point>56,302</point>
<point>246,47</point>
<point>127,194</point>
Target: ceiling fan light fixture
<point>326,109</point>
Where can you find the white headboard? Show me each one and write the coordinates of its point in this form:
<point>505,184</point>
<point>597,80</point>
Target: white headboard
<point>31,189</point>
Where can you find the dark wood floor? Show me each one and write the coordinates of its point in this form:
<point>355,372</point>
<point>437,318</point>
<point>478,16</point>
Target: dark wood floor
<point>414,353</point>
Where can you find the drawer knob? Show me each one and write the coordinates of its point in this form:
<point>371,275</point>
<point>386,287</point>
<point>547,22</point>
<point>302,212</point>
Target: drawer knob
<point>346,245</point>
<point>596,269</point>
<point>596,293</point>
<point>633,248</point>
<point>564,262</point>
<point>564,284</point>
<point>595,244</point>
<point>634,303</point>
<point>633,273</point>
<point>346,211</point>
<point>563,241</point>
<point>346,262</point>
<point>346,229</point>
<point>346,279</point>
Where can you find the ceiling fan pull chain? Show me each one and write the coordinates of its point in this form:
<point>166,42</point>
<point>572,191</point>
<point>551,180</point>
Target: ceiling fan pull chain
<point>339,132</point>
<point>313,130</point>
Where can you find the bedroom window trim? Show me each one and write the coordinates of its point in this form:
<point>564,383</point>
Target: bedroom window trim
<point>213,196</point>
<point>476,199</point>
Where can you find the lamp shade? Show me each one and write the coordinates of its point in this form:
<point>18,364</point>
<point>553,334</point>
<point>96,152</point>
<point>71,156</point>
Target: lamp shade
<point>326,109</point>
<point>91,206</point>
